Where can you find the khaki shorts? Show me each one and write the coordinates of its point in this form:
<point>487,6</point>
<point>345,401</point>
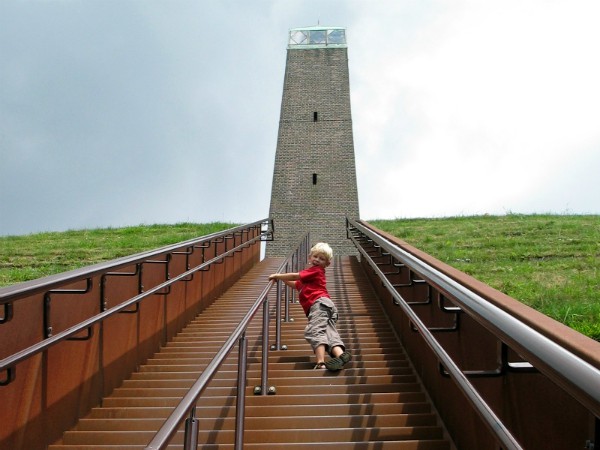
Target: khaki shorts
<point>321,329</point>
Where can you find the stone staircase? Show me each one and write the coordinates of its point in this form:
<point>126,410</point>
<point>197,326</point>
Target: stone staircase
<point>376,402</point>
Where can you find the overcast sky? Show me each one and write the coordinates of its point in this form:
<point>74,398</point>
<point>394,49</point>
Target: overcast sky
<point>125,112</point>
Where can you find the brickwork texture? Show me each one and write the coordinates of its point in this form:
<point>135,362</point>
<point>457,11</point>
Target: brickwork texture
<point>314,179</point>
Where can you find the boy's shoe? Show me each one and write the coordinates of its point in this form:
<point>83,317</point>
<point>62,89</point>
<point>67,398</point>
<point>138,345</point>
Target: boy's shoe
<point>320,366</point>
<point>346,357</point>
<point>335,364</point>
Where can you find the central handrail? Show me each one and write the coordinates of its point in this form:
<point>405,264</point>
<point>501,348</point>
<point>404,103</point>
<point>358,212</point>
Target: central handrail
<point>187,405</point>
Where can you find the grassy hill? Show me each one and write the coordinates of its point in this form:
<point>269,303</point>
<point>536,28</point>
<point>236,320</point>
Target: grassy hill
<point>32,256</point>
<point>550,262</point>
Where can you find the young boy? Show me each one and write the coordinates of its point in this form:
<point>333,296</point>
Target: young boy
<point>321,332</point>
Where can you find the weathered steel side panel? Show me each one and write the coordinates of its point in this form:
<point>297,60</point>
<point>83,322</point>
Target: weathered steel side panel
<point>537,411</point>
<point>54,388</point>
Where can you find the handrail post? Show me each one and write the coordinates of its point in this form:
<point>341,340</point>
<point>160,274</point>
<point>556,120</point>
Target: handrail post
<point>278,316</point>
<point>286,297</point>
<point>295,267</point>
<point>265,347</point>
<point>190,440</point>
<point>240,410</point>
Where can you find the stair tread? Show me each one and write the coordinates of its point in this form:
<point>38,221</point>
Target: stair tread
<point>421,444</point>
<point>258,422</point>
<point>271,410</point>
<point>278,373</point>
<point>263,435</point>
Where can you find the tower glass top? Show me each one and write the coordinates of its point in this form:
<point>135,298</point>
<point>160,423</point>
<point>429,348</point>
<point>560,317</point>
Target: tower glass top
<point>317,37</point>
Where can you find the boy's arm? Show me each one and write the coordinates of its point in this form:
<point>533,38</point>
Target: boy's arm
<point>291,284</point>
<point>285,277</point>
<point>288,278</point>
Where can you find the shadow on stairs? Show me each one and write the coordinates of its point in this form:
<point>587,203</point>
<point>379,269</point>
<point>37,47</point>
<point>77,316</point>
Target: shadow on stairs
<point>375,402</point>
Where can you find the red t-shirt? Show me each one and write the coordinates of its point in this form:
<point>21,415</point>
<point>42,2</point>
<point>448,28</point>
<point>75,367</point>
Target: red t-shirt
<point>311,286</point>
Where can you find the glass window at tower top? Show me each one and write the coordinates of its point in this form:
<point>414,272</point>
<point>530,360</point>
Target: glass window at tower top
<point>336,37</point>
<point>317,37</point>
<point>298,37</point>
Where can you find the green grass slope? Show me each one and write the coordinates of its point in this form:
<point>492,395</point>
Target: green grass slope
<point>549,262</point>
<point>33,256</point>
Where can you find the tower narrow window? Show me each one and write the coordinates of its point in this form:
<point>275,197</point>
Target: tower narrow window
<point>314,178</point>
<point>315,116</point>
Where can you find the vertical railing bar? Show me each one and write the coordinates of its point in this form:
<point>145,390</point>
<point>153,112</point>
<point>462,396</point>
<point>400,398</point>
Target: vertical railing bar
<point>8,313</point>
<point>47,303</point>
<point>240,410</point>
<point>190,440</point>
<point>278,316</point>
<point>10,376</point>
<point>265,347</point>
<point>294,268</point>
<point>47,321</point>
<point>286,295</point>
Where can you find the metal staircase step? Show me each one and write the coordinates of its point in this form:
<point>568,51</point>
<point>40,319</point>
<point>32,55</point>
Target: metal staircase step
<point>420,444</point>
<point>224,436</point>
<point>315,389</point>
<point>275,373</point>
<point>290,379</point>
<point>279,399</point>
<point>271,411</point>
<point>279,422</point>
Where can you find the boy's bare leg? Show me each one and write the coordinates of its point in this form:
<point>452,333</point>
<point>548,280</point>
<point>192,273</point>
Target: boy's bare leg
<point>320,354</point>
<point>336,351</point>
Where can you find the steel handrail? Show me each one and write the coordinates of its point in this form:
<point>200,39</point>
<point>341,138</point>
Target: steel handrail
<point>492,421</point>
<point>573,374</point>
<point>187,405</point>
<point>9,294</point>
<point>9,362</point>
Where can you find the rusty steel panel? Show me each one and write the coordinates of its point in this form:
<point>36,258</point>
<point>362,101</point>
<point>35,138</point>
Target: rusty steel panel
<point>56,386</point>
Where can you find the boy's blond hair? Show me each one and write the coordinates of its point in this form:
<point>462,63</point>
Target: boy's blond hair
<point>323,249</point>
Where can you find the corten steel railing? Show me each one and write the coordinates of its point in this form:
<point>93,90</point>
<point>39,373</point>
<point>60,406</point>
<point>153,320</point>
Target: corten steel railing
<point>542,389</point>
<point>185,411</point>
<point>68,340</point>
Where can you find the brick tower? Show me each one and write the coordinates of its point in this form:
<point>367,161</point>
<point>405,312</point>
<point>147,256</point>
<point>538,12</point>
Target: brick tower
<point>314,180</point>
